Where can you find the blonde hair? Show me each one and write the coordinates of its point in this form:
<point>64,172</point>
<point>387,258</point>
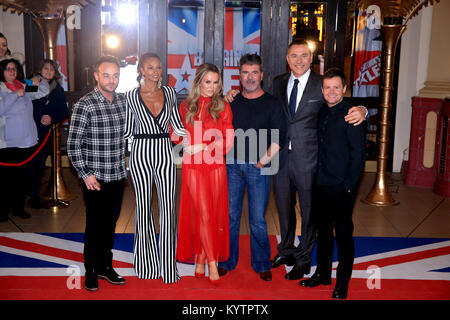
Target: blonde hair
<point>217,102</point>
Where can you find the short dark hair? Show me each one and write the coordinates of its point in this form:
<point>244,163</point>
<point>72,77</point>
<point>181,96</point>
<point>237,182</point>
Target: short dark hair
<point>106,59</point>
<point>298,42</point>
<point>20,75</point>
<point>334,72</point>
<point>250,59</point>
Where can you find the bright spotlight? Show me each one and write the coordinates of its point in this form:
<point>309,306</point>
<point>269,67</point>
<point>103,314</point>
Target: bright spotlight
<point>112,41</point>
<point>311,46</point>
<point>126,13</point>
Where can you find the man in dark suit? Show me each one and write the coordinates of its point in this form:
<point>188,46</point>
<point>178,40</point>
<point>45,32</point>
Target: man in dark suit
<point>341,162</point>
<point>300,91</point>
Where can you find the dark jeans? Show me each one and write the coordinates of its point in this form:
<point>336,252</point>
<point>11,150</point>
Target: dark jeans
<point>239,177</point>
<point>14,180</point>
<point>102,212</point>
<point>332,209</point>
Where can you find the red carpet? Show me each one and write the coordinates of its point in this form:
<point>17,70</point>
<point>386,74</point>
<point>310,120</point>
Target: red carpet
<point>240,284</point>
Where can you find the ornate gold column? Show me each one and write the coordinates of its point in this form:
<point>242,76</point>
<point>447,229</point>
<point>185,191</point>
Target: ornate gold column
<point>57,190</point>
<point>392,14</point>
<point>49,27</point>
<point>380,195</point>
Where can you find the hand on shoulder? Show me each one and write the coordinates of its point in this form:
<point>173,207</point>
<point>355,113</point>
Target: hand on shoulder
<point>356,115</point>
<point>229,97</point>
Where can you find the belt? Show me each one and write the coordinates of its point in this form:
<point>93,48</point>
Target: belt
<point>151,136</point>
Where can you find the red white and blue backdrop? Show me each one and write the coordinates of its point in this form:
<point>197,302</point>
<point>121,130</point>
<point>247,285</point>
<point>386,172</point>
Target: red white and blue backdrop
<point>186,37</point>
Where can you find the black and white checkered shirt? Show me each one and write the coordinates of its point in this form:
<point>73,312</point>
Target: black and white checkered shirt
<point>96,143</point>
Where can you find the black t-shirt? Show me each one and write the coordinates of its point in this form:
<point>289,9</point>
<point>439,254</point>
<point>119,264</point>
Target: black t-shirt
<point>257,123</point>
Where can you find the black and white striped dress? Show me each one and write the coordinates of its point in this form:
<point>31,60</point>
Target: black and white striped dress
<point>151,160</point>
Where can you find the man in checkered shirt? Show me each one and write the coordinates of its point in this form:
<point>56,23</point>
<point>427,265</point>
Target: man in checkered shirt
<point>96,148</point>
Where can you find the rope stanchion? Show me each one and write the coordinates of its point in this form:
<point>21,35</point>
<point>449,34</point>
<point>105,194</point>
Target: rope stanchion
<point>56,178</point>
<point>30,157</point>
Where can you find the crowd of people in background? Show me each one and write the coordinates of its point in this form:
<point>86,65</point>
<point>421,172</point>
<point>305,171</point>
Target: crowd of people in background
<point>315,139</point>
<point>28,107</point>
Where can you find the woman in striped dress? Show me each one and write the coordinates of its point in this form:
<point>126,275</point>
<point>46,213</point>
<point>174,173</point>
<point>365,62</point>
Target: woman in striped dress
<point>150,111</point>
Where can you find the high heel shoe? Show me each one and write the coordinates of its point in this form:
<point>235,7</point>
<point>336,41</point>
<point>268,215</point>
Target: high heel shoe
<point>199,275</point>
<point>214,282</point>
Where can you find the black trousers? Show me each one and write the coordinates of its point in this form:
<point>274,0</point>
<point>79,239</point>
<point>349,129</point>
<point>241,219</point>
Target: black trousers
<point>332,210</point>
<point>14,180</point>
<point>102,212</point>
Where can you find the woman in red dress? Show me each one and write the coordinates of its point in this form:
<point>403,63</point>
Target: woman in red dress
<point>203,231</point>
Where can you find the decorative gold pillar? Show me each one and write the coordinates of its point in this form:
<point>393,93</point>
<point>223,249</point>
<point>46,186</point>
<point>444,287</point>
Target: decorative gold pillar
<point>49,27</point>
<point>57,190</point>
<point>380,195</point>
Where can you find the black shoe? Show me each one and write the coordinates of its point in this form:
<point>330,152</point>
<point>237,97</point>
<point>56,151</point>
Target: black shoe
<point>111,276</point>
<point>298,272</point>
<point>314,281</point>
<point>91,282</point>
<point>222,271</point>
<point>22,214</point>
<point>339,293</point>
<point>266,275</point>
<point>279,260</point>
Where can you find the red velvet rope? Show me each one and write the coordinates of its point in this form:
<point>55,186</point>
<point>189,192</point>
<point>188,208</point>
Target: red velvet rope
<point>30,157</point>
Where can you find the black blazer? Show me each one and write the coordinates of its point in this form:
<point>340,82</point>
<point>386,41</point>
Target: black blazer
<point>302,129</point>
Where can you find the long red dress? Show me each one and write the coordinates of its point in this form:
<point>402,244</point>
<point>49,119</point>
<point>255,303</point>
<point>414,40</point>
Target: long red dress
<point>203,229</point>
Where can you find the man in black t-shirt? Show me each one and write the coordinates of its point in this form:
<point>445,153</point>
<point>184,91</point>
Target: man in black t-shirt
<point>260,129</point>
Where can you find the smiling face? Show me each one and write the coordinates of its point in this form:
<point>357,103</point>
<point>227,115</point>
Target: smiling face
<point>299,58</point>
<point>152,70</point>
<point>333,90</point>
<point>47,72</point>
<point>209,84</point>
<point>251,77</point>
<point>10,72</point>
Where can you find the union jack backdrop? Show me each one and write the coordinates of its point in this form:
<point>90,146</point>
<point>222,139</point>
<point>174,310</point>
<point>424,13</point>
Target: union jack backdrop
<point>185,44</point>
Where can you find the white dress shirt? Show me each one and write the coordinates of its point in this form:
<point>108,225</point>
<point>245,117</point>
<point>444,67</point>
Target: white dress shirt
<point>301,87</point>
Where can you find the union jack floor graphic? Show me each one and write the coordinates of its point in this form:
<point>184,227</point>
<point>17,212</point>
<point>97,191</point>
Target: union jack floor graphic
<point>385,268</point>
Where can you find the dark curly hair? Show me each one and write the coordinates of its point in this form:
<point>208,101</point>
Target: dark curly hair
<point>20,75</point>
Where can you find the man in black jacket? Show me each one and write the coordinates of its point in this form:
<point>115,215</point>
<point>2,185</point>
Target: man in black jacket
<point>341,162</point>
